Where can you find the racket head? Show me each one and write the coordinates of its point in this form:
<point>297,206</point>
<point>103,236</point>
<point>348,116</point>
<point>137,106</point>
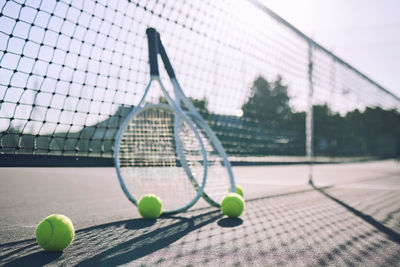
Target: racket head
<point>220,179</point>
<point>149,160</point>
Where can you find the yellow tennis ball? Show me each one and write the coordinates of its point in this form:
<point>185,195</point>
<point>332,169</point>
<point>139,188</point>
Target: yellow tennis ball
<point>239,190</point>
<point>55,232</point>
<point>149,206</point>
<point>232,205</point>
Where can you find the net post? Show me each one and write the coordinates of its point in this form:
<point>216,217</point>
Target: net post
<point>310,119</point>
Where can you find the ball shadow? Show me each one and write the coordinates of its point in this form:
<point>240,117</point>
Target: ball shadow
<point>139,223</point>
<point>40,258</point>
<point>230,222</point>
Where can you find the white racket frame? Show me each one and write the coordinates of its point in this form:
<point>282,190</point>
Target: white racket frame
<point>178,114</point>
<point>199,122</point>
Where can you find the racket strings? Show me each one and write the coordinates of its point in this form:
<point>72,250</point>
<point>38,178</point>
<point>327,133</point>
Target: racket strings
<point>218,180</point>
<point>149,161</point>
<point>148,141</point>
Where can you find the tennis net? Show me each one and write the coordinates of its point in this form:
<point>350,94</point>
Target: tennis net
<point>70,72</point>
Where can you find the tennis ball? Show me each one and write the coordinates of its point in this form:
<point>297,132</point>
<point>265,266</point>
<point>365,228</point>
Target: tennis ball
<point>55,232</point>
<point>239,190</point>
<point>149,206</point>
<point>232,205</point>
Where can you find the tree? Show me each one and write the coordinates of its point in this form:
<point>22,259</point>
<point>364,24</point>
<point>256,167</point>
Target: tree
<point>268,103</point>
<point>329,132</point>
<point>273,128</point>
<point>199,104</point>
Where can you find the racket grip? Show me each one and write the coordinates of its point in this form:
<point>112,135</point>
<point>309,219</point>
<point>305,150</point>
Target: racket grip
<point>153,42</point>
<point>167,63</point>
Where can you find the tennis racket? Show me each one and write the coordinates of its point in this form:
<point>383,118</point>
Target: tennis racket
<point>158,149</point>
<point>220,178</point>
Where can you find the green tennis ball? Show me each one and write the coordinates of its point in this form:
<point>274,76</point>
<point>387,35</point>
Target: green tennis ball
<point>149,206</point>
<point>232,205</point>
<point>239,190</point>
<point>55,232</point>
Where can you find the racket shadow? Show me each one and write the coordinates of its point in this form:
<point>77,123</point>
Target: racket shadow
<point>110,244</point>
<point>132,240</point>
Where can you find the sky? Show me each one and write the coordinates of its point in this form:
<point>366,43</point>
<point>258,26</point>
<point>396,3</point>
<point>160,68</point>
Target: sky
<point>104,55</point>
<point>364,33</point>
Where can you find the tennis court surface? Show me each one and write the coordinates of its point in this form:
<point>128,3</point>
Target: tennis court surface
<point>351,217</point>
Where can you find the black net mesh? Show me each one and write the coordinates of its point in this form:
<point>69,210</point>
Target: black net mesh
<point>70,71</point>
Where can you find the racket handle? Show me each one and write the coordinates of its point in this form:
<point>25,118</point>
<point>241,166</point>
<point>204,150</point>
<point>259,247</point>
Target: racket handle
<point>167,63</point>
<point>153,42</point>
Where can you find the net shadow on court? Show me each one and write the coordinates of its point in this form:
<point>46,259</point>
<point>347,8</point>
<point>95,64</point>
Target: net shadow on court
<point>316,227</point>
